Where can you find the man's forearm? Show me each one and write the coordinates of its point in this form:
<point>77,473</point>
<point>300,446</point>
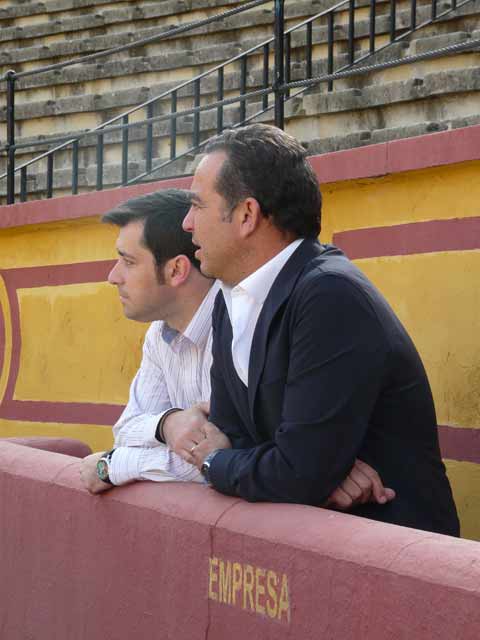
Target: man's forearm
<point>158,464</point>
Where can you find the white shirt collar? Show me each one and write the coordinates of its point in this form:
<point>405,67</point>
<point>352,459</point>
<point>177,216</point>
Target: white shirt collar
<point>199,326</point>
<point>258,284</point>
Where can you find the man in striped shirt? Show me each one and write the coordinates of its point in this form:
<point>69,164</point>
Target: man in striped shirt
<point>159,281</point>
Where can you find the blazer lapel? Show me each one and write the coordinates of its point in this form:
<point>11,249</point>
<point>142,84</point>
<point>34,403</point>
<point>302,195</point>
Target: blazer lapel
<point>278,294</point>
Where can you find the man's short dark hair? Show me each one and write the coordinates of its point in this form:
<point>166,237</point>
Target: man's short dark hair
<point>162,214</point>
<point>267,164</point>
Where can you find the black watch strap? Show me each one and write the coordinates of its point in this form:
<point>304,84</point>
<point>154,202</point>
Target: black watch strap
<point>205,468</point>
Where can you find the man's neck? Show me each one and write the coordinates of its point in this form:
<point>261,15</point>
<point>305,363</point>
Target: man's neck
<point>192,296</point>
<point>262,252</point>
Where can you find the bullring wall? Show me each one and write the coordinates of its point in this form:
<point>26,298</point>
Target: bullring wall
<point>406,211</point>
<point>179,561</point>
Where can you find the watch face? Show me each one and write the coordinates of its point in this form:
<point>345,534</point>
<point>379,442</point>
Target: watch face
<point>102,469</point>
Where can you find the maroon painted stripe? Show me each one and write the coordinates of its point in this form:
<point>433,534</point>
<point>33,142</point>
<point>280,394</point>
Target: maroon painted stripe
<point>58,274</point>
<point>410,154</point>
<point>63,412</point>
<point>459,234</point>
<point>16,339</point>
<point>458,443</point>
<point>3,339</point>
<point>83,205</point>
<point>351,164</point>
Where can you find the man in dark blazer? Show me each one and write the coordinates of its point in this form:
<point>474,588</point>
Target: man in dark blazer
<point>311,367</point>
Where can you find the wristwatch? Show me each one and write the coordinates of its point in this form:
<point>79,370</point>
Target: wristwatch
<point>103,466</point>
<point>205,468</point>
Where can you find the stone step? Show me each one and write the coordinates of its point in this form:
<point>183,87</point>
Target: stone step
<point>127,19</point>
<point>367,92</point>
<point>387,104</point>
<point>324,121</point>
<point>218,32</point>
<point>44,55</point>
<point>120,100</point>
<point>112,172</point>
<point>123,99</point>
<point>16,9</point>
<point>185,166</point>
<point>27,107</point>
<point>65,49</point>
<point>436,97</point>
<point>26,8</point>
<point>317,146</point>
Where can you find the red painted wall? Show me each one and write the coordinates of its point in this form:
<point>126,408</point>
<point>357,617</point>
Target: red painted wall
<point>180,561</point>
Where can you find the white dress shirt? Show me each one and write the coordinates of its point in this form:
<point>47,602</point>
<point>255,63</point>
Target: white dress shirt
<point>244,303</point>
<point>174,372</point>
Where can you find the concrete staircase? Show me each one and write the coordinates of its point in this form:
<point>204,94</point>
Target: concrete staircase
<point>378,106</point>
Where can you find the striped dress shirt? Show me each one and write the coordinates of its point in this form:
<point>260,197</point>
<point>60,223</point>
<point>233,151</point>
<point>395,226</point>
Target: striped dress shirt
<point>174,372</point>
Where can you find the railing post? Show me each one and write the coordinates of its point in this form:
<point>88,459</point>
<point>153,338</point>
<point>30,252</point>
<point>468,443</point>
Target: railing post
<point>125,133</point>
<point>10,76</point>
<point>149,140</point>
<point>393,19</point>
<point>220,96</point>
<point>279,75</point>
<point>351,32</point>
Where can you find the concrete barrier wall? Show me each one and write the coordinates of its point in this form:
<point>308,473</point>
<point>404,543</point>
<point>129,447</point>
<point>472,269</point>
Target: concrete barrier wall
<point>408,213</point>
<point>179,561</point>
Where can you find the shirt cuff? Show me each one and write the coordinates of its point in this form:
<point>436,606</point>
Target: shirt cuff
<point>138,430</point>
<point>124,465</point>
<point>150,429</point>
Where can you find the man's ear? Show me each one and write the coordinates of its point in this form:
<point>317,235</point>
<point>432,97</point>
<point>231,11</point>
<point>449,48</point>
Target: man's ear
<point>250,217</point>
<point>176,270</point>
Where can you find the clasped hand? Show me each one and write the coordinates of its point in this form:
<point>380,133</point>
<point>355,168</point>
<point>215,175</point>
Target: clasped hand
<point>192,436</point>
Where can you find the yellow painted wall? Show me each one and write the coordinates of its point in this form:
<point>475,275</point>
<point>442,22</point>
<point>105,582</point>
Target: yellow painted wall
<point>439,193</point>
<point>437,299</point>
<point>63,360</point>
<point>465,480</point>
<point>99,437</point>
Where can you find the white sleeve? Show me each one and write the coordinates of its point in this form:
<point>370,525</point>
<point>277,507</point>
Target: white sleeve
<point>148,399</point>
<point>159,464</point>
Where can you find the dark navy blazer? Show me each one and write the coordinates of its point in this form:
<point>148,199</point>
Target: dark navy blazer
<point>333,376</point>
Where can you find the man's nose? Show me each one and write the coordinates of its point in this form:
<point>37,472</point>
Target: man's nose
<point>187,223</point>
<point>114,275</point>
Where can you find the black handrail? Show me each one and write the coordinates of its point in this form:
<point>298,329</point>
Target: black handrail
<point>281,86</point>
<point>459,47</point>
<point>351,68</point>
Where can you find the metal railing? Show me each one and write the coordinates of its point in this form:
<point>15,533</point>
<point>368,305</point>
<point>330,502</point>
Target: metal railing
<point>12,76</point>
<point>264,82</point>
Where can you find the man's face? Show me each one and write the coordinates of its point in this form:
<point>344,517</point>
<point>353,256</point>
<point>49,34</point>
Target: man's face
<point>136,277</point>
<point>208,221</point>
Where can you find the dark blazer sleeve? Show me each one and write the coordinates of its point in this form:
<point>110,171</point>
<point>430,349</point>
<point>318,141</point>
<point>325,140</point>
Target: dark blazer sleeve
<point>336,362</point>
